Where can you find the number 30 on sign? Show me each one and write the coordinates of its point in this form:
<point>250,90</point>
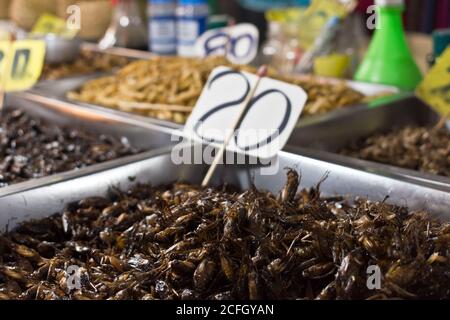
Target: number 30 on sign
<point>21,63</point>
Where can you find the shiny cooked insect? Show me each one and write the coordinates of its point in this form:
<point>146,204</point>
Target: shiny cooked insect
<point>187,242</point>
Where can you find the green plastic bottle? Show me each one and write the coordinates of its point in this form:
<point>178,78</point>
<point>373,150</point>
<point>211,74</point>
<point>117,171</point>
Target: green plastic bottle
<point>389,60</point>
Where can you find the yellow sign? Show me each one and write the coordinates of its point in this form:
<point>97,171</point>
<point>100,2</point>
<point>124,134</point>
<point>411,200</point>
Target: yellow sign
<point>48,23</point>
<point>21,63</point>
<point>435,88</point>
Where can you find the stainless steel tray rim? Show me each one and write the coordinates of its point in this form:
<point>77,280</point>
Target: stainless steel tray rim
<point>386,170</point>
<point>155,167</point>
<point>58,90</point>
<point>327,136</point>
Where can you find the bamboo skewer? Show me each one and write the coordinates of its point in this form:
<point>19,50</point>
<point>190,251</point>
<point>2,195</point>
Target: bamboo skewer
<point>262,72</point>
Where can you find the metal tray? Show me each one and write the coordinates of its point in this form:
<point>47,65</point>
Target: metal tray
<point>157,168</point>
<point>130,54</point>
<point>59,89</point>
<point>143,136</point>
<point>366,88</point>
<point>327,136</point>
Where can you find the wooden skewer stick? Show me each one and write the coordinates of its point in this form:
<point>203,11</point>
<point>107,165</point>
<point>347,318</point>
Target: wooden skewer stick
<point>262,72</point>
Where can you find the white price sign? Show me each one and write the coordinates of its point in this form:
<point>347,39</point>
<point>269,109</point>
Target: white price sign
<point>267,123</point>
<point>238,43</point>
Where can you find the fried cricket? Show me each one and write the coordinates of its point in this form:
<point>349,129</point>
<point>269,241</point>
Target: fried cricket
<point>417,148</point>
<point>185,242</point>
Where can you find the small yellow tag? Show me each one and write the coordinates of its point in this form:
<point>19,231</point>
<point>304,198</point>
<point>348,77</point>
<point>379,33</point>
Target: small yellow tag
<point>435,88</point>
<point>21,64</point>
<point>48,23</point>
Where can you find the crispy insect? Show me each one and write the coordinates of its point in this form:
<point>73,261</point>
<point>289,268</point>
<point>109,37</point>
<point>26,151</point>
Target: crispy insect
<point>412,147</point>
<point>33,148</point>
<point>187,242</point>
<point>290,189</point>
<point>204,274</point>
<point>167,88</point>
<point>87,62</point>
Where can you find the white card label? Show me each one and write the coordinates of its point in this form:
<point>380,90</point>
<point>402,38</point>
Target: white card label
<point>267,123</point>
<point>238,43</point>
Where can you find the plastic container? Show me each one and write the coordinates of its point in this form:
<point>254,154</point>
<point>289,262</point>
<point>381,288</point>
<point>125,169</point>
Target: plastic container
<point>272,47</point>
<point>127,28</point>
<point>389,60</point>
<point>192,21</point>
<point>162,26</point>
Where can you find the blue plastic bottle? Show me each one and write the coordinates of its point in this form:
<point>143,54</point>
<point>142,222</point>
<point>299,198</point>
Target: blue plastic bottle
<point>162,26</point>
<point>192,21</point>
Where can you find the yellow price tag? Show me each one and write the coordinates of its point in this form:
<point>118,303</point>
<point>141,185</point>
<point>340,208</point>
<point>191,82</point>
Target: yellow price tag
<point>21,63</point>
<point>435,88</point>
<point>48,23</point>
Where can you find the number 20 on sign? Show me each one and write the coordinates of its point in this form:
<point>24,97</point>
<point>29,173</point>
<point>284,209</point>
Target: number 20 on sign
<point>267,122</point>
<point>21,64</point>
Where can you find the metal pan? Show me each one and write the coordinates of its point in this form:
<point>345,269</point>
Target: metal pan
<point>143,136</point>
<point>331,135</point>
<point>129,54</point>
<point>59,90</point>
<point>157,168</point>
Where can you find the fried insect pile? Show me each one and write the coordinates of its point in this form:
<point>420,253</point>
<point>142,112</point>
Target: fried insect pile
<point>180,81</point>
<point>31,148</point>
<point>417,148</point>
<point>184,242</point>
<point>87,62</point>
<point>325,97</point>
